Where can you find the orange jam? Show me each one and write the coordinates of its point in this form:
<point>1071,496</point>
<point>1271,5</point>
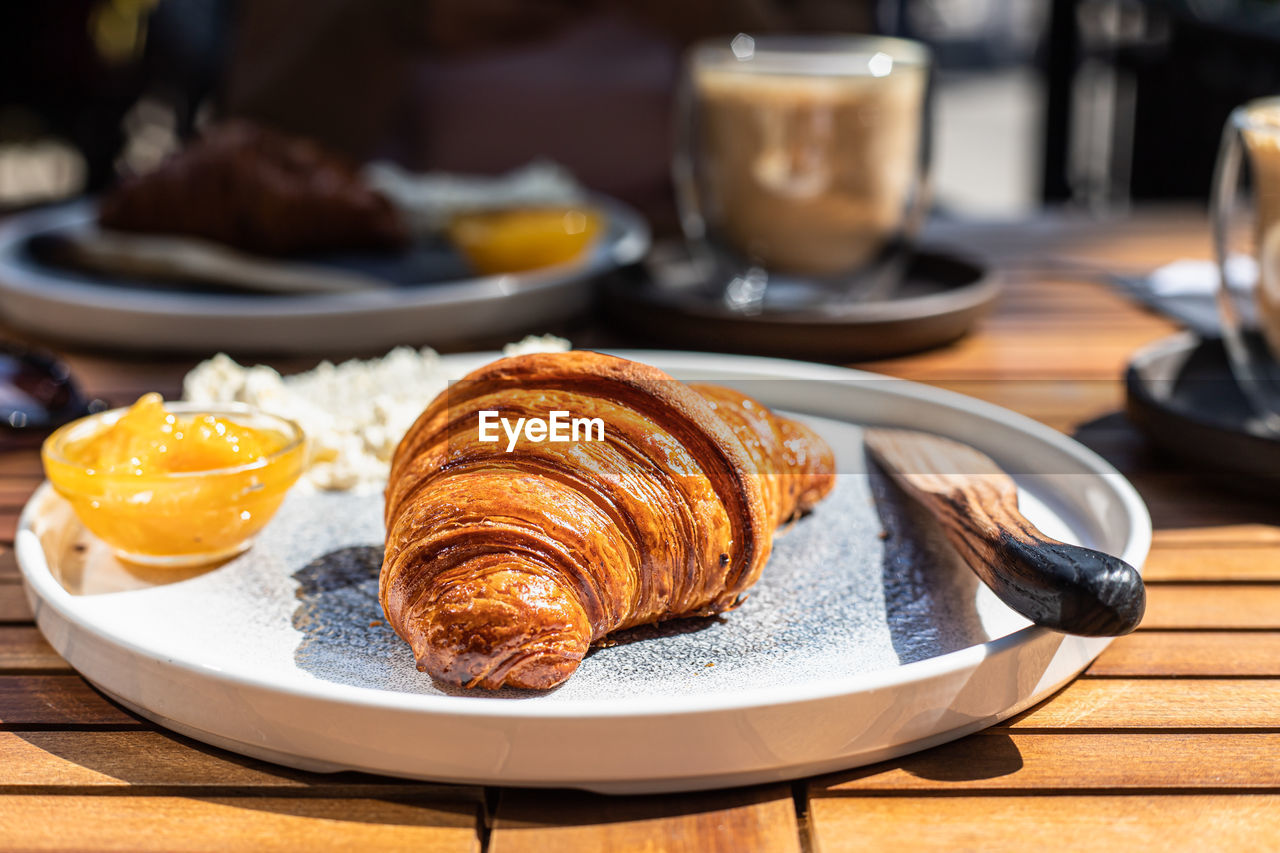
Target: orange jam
<point>524,239</point>
<point>175,486</point>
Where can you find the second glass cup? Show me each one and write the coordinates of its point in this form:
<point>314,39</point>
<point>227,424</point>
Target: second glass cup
<point>1245,211</point>
<point>801,165</point>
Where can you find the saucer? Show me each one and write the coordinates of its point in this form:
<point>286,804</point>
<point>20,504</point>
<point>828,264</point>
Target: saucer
<point>1182,396</point>
<point>938,301</point>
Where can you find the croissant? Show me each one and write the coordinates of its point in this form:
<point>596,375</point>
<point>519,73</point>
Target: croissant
<point>257,189</point>
<point>502,568</point>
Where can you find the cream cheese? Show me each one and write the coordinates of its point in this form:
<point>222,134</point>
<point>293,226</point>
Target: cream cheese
<point>355,413</point>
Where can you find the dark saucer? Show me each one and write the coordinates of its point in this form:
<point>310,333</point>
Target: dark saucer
<point>1181,394</point>
<point>940,298</point>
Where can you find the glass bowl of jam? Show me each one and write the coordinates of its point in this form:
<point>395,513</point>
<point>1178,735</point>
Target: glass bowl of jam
<point>176,484</point>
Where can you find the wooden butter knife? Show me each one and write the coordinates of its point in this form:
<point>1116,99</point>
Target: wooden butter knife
<point>1068,588</point>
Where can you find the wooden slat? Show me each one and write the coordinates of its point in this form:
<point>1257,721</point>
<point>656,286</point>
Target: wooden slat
<point>123,379</point>
<point>56,700</point>
<point>35,822</point>
<point>1199,653</point>
<point>21,463</point>
<point>1113,438</point>
<point>16,492</point>
<point>1190,563</point>
<point>1182,501</point>
<point>158,762</point>
<point>8,565</point>
<point>1104,703</point>
<point>1212,606</point>
<point>1019,351</point>
<point>1204,535</point>
<point>999,761</point>
<point>13,603</point>
<point>762,819</point>
<point>1134,823</point>
<point>24,648</point>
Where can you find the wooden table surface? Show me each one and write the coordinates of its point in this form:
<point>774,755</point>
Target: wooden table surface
<point>1171,740</point>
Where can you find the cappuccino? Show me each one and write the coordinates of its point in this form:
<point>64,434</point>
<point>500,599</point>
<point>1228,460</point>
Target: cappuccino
<point>811,170</point>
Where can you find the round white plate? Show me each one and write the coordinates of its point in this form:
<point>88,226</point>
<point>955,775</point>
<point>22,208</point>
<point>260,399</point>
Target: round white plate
<point>865,639</point>
<point>56,303</point>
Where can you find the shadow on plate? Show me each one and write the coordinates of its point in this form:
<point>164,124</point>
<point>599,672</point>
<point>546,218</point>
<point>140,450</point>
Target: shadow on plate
<point>345,636</point>
<point>929,592</point>
<point>340,618</point>
<point>669,628</point>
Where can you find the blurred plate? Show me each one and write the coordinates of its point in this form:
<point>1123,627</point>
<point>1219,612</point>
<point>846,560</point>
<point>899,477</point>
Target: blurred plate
<point>431,300</point>
<point>940,298</point>
<point>1183,397</point>
<point>865,638</point>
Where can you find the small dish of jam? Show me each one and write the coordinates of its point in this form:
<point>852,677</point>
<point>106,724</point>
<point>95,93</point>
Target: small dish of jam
<point>518,240</point>
<point>175,484</point>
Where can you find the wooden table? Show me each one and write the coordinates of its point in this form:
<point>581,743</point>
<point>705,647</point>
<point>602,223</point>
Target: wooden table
<point>1171,740</point>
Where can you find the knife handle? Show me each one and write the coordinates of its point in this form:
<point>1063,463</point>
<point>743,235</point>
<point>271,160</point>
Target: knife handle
<point>1068,588</point>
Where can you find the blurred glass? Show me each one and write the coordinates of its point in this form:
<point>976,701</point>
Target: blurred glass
<point>800,164</point>
<point>1246,229</point>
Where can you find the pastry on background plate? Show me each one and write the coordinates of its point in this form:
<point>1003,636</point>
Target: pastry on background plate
<point>259,190</point>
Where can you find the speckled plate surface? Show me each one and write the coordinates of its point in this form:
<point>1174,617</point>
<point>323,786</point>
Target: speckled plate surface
<point>866,637</point>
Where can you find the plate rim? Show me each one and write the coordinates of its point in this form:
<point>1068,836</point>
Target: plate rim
<point>40,581</point>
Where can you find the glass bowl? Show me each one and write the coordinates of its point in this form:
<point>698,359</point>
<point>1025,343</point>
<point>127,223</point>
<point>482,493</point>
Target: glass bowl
<point>178,518</point>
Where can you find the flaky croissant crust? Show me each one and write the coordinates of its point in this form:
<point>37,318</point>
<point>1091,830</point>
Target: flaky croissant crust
<point>502,568</point>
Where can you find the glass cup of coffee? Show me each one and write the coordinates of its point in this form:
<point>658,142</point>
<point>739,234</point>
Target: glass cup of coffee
<point>1245,214</point>
<point>801,165</point>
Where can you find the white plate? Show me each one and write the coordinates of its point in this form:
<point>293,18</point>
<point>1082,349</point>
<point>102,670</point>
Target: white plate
<point>56,303</point>
<point>853,648</point>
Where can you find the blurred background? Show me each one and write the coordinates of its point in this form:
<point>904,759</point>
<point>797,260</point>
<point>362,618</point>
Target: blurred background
<point>1098,104</point>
